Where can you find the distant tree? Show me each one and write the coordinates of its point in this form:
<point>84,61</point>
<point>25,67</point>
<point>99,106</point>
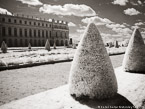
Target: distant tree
<point>116,45</point>
<point>29,46</point>
<point>47,45</point>
<point>4,47</point>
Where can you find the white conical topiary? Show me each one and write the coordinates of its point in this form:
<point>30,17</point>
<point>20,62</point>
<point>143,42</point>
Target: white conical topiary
<point>116,45</point>
<point>47,45</point>
<point>134,59</point>
<point>4,47</point>
<point>74,46</point>
<point>29,46</point>
<point>92,73</point>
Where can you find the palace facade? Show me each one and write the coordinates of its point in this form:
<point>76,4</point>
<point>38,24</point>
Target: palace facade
<point>19,31</point>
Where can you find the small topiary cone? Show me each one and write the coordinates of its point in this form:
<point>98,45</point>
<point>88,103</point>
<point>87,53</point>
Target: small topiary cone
<point>29,46</point>
<point>134,59</point>
<point>47,45</point>
<point>92,75</point>
<point>4,47</point>
<point>54,45</point>
<point>74,46</point>
<point>116,45</point>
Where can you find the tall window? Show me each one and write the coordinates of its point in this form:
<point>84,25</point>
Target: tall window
<point>38,33</point>
<point>25,32</point>
<point>34,33</point>
<point>3,19</point>
<point>21,32</point>
<point>56,35</point>
<point>20,21</point>
<point>15,21</point>
<point>21,42</point>
<point>3,31</point>
<point>25,22</point>
<point>16,43</point>
<point>15,31</point>
<point>9,20</point>
<point>46,33</point>
<point>42,33</point>
<point>10,43</point>
<point>50,34</point>
<point>30,33</point>
<point>9,31</point>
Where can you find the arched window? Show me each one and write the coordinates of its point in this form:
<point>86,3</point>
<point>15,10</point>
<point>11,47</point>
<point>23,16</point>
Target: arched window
<point>10,43</point>
<point>15,32</point>
<point>9,20</point>
<point>34,33</point>
<point>56,35</point>
<point>46,33</point>
<point>9,31</point>
<point>15,21</point>
<point>26,42</point>
<point>43,42</point>
<point>3,19</point>
<point>39,43</point>
<point>38,33</point>
<point>66,42</point>
<point>16,43</point>
<point>42,33</point>
<point>20,21</point>
<point>25,32</point>
<point>30,33</point>
<point>62,43</point>
<point>25,22</point>
<point>21,42</point>
<point>51,43</point>
<point>21,32</point>
<point>3,31</point>
<point>35,42</point>
<point>57,42</point>
<point>50,34</point>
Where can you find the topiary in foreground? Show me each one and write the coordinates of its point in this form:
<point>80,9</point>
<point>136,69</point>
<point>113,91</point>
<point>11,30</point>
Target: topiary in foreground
<point>92,75</point>
<point>4,47</point>
<point>47,45</point>
<point>29,46</point>
<point>134,59</point>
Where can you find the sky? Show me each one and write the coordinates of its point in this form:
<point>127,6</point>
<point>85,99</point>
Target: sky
<point>115,19</point>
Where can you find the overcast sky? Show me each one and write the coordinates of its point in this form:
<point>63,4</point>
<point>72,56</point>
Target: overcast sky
<point>115,19</point>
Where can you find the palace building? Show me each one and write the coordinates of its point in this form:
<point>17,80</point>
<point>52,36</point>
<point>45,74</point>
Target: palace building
<point>19,31</point>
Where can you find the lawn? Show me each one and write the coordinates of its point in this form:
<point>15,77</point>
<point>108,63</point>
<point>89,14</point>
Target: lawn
<point>21,56</point>
<point>19,83</point>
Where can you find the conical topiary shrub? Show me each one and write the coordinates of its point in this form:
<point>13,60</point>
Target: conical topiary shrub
<point>110,44</point>
<point>134,59</point>
<point>4,47</point>
<point>54,45</point>
<point>92,75</point>
<point>29,46</point>
<point>116,45</point>
<point>74,46</point>
<point>47,45</point>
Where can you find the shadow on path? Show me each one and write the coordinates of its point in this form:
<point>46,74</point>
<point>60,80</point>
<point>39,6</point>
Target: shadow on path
<point>117,102</point>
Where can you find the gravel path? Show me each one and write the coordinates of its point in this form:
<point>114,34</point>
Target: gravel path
<point>19,83</point>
